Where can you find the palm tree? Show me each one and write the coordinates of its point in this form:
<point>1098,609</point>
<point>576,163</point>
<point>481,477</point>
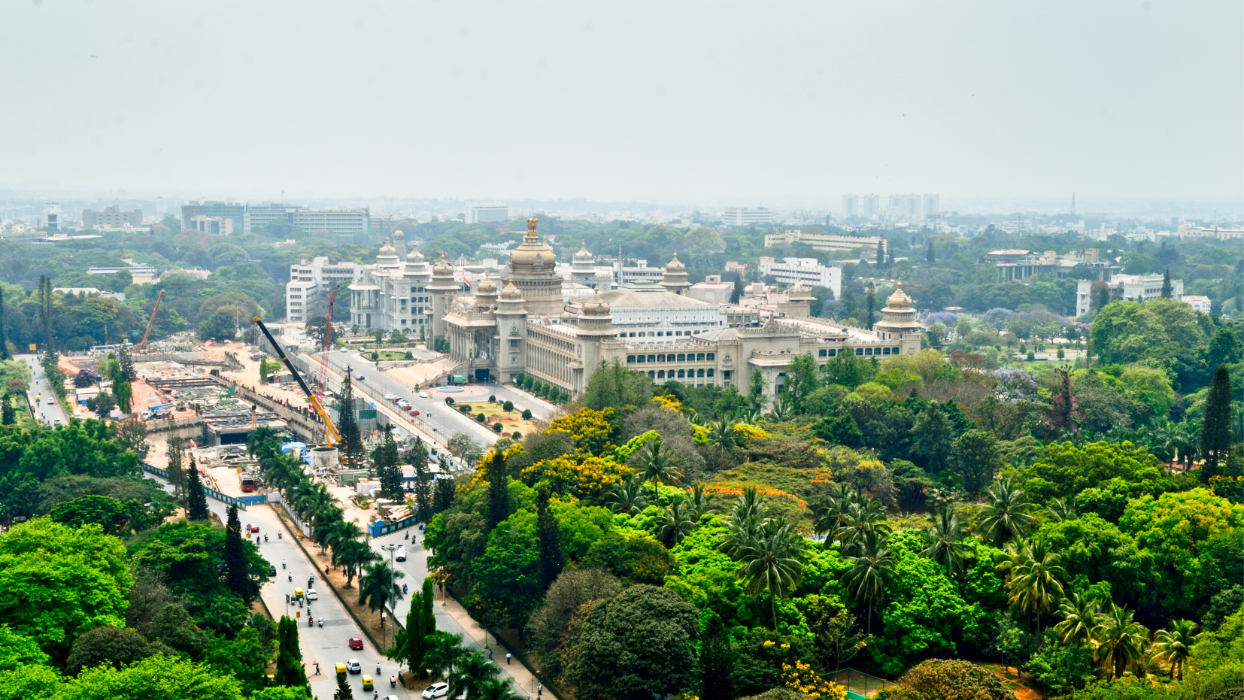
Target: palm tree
<point>947,547</point>
<point>1120,641</point>
<point>496,689</point>
<point>744,520</point>
<point>1080,613</point>
<point>863,516</point>
<point>770,561</point>
<point>699,500</point>
<point>1006,515</point>
<point>378,585</point>
<point>1034,582</point>
<point>677,523</point>
<point>354,555</point>
<point>872,570</point>
<point>627,497</point>
<point>444,651</point>
<point>470,670</point>
<point>722,436</point>
<point>323,523</point>
<point>1174,645</point>
<point>781,409</point>
<point>1061,509</point>
<point>342,531</point>
<point>832,509</point>
<point>658,464</point>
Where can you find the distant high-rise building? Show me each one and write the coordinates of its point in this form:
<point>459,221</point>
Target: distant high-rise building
<point>488,213</point>
<point>213,210</point>
<point>51,217</point>
<point>250,218</point>
<point>744,216</point>
<point>932,204</point>
<point>111,217</point>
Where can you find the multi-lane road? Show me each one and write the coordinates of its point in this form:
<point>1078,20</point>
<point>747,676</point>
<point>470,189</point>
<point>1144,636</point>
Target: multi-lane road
<point>43,400</point>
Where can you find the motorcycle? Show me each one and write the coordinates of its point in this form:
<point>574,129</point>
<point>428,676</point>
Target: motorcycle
<point>321,622</point>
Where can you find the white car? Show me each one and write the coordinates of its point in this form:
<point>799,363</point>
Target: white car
<point>423,394</point>
<point>353,666</point>
<point>312,595</point>
<point>436,690</point>
<point>400,554</point>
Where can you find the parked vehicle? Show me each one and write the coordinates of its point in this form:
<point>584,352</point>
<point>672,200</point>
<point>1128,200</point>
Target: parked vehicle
<point>400,554</point>
<point>312,595</point>
<point>436,690</point>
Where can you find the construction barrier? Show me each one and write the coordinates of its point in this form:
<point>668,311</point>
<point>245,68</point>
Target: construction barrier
<point>209,492</point>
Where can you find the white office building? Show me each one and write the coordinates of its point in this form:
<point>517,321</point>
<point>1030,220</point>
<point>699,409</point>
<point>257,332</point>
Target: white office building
<point>309,278</point>
<point>488,213</point>
<point>802,272</point>
<point>1140,288</point>
<point>744,216</point>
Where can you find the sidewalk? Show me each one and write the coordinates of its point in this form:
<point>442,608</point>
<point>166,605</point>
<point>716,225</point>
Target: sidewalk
<point>452,617</point>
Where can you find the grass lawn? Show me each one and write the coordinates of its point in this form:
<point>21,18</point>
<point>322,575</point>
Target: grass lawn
<point>496,413</point>
<point>386,355</point>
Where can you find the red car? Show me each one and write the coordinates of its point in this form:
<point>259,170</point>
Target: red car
<point>252,528</point>
<point>356,642</point>
<point>414,411</point>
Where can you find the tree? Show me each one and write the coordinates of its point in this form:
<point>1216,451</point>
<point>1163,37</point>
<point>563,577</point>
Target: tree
<point>934,434</point>
<point>946,535</point>
<point>716,661</point>
<point>1006,514</point>
<point>158,676</point>
<point>443,653</point>
<point>411,643</point>
<point>676,523</point>
<point>385,460</point>
<point>1167,290</point>
<point>769,561</point>
<point>835,636</point>
<point>1216,428</point>
<point>1174,645</point>
<point>870,308</point>
<point>549,624</point>
<point>237,573</point>
<point>975,459</point>
<point>57,582</point>
<point>196,499</point>
<point>343,689</point>
<point>948,680</point>
<point>498,488</point>
<point>220,326</point>
<point>102,403</point>
<point>1035,582</point>
<point>289,670</point>
<point>552,559</point>
<point>114,646</point>
<point>418,458</point>
<point>347,424</point>
<point>471,670</point>
<point>1121,641</point>
<point>634,646</point>
<point>627,497</point>
<point>4,335</point>
<point>872,569</point>
<point>1080,612</point>
<point>657,463</point>
<point>496,689</point>
<point>378,585</point>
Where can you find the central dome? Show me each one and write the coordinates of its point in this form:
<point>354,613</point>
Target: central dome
<point>596,306</point>
<point>899,299</point>
<point>675,265</point>
<point>532,253</point>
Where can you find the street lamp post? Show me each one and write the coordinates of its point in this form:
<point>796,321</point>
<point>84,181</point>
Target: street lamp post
<point>384,631</point>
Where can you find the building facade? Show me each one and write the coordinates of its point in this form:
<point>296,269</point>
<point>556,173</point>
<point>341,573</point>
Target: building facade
<point>745,216</point>
<point>492,213</point>
<point>864,245</point>
<point>111,216</point>
<point>310,278</point>
<point>207,217</point>
<point>1140,288</point>
<point>393,294</point>
<point>803,272</point>
<point>496,332</point>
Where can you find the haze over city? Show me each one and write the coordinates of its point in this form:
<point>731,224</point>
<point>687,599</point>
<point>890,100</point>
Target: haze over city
<point>778,104</point>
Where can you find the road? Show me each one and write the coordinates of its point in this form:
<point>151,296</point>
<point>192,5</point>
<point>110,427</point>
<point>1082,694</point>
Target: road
<point>47,407</point>
<point>329,644</point>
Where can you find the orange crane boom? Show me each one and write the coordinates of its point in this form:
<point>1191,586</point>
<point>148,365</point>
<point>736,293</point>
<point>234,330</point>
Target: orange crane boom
<point>143,344</point>
<point>332,436</point>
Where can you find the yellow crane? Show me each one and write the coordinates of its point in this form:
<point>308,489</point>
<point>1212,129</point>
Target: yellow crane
<point>142,347</point>
<point>331,435</point>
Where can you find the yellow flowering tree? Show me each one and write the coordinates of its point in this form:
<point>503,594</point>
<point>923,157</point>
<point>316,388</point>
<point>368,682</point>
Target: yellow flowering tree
<point>590,430</point>
<point>581,476</point>
<point>801,678</point>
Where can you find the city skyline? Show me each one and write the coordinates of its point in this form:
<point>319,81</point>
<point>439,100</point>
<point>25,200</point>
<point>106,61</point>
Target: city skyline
<point>787,107</point>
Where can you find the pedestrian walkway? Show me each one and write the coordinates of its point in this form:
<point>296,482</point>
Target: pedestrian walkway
<point>452,617</point>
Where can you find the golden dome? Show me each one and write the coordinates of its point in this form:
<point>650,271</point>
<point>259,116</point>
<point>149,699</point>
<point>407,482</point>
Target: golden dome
<point>899,299</point>
<point>486,287</point>
<point>442,267</point>
<point>511,292</point>
<point>675,265</point>
<point>595,306</point>
<point>414,255</point>
<point>387,248</point>
<point>583,254</point>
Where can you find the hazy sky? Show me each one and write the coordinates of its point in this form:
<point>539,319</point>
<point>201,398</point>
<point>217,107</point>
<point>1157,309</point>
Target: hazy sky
<point>778,103</point>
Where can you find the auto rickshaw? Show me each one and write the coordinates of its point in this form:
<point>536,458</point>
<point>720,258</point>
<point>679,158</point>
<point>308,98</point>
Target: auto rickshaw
<point>368,684</point>
<point>341,670</point>
<point>297,594</point>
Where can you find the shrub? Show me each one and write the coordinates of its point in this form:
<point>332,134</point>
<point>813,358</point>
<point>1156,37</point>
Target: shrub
<point>526,414</point>
<point>410,355</point>
<point>449,400</point>
<point>492,398</point>
<point>516,436</point>
<point>496,427</point>
<point>481,418</point>
<point>508,405</point>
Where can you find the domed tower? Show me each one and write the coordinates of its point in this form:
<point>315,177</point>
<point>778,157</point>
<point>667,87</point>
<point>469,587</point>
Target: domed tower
<point>387,257</point>
<point>531,271</point>
<point>595,329</point>
<point>485,294</point>
<point>442,290</point>
<point>898,323</point>
<point>399,243</point>
<point>511,318</point>
<point>675,278</point>
<point>583,266</point>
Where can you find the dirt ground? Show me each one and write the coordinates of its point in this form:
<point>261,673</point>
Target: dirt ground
<point>1022,692</point>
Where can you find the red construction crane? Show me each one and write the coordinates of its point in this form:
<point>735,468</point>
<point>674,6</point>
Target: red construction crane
<point>143,345</point>
<point>327,342</point>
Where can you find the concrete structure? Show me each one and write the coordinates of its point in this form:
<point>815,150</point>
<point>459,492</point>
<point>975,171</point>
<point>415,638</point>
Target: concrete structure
<point>1216,232</point>
<point>712,290</point>
<point>743,216</point>
<point>657,328</point>
<point>638,272</point>
<point>803,272</point>
<point>309,278</point>
<point>208,217</point>
<point>51,218</point>
<point>861,206</point>
<point>141,274</point>
<point>393,294</point>
<point>1140,288</point>
<point>1018,264</point>
<point>111,217</point>
<point>488,213</point>
<point>864,245</point>
<point>1198,302</point>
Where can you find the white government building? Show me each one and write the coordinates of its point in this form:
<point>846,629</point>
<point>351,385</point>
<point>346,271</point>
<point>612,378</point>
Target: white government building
<point>532,321</point>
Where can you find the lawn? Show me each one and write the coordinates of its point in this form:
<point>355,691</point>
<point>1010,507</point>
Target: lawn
<point>495,413</point>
